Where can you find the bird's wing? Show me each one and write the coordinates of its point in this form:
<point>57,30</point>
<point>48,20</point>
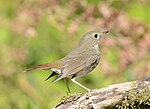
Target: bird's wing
<point>76,66</point>
<point>92,60</point>
<point>71,68</point>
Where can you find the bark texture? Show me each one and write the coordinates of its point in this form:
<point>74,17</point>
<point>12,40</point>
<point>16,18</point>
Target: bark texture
<point>135,94</point>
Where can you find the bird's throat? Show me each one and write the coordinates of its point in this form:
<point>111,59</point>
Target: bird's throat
<point>96,47</point>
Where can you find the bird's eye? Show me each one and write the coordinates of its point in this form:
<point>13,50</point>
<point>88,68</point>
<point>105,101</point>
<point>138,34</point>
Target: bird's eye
<point>96,35</point>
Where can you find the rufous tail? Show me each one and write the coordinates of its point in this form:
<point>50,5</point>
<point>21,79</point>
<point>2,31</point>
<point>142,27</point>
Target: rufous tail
<point>40,67</point>
<point>57,64</point>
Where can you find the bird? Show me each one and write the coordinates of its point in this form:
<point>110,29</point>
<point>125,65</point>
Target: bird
<point>77,63</point>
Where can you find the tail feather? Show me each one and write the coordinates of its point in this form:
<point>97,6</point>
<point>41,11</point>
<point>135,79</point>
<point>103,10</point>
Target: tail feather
<point>51,75</point>
<point>56,79</point>
<point>39,67</point>
<point>57,64</point>
<point>59,77</point>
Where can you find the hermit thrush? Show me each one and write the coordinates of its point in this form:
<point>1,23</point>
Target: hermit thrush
<point>80,61</point>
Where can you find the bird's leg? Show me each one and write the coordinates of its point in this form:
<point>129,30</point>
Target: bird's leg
<point>73,80</point>
<point>65,80</point>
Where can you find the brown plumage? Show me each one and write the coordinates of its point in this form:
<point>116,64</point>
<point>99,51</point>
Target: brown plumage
<point>80,61</point>
<point>46,66</point>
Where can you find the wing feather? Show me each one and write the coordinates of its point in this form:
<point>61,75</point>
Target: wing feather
<point>71,68</point>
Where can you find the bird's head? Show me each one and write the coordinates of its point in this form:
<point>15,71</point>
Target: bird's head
<point>91,38</point>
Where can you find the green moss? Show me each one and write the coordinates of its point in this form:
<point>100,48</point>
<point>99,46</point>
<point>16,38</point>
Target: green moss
<point>137,98</point>
<point>70,97</point>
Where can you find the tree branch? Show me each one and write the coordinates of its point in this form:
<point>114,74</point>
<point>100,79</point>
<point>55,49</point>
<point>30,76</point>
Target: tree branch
<point>134,94</point>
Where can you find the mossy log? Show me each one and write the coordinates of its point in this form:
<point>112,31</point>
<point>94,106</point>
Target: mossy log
<point>128,95</point>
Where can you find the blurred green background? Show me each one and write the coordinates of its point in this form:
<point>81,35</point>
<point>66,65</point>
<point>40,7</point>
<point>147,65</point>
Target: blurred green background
<point>40,31</point>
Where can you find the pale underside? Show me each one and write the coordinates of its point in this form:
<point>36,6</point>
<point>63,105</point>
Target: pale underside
<point>78,63</point>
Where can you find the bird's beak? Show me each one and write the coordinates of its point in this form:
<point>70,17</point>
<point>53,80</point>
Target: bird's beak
<point>105,32</point>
